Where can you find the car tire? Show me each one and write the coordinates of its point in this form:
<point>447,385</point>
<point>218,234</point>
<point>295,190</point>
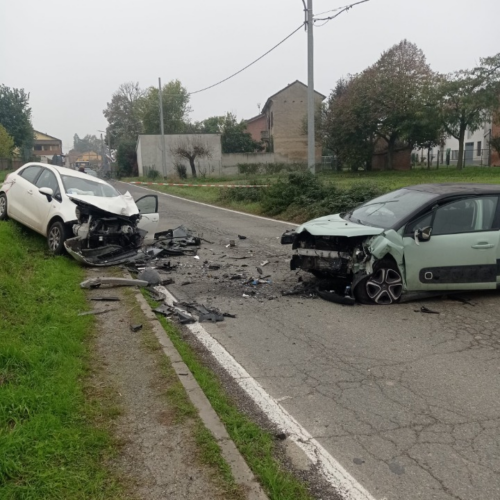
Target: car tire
<point>383,287</point>
<point>3,207</point>
<point>56,236</point>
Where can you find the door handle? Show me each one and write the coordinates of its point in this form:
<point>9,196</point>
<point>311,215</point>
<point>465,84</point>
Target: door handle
<point>483,245</point>
<point>30,191</point>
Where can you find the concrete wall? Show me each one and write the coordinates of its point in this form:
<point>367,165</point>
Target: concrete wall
<point>149,148</point>
<point>286,114</point>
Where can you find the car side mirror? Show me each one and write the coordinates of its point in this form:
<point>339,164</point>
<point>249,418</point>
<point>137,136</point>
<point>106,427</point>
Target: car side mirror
<point>423,234</point>
<point>48,192</point>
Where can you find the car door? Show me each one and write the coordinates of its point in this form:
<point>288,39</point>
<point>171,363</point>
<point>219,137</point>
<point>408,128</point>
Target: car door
<point>462,252</point>
<point>41,204</point>
<point>20,194</point>
<point>148,208</point>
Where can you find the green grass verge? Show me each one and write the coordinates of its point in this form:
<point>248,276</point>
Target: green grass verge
<point>53,435</point>
<point>3,175</point>
<point>256,445</point>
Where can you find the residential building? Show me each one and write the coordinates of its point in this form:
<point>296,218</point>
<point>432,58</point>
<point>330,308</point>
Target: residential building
<point>46,146</point>
<point>477,151</point>
<point>282,122</point>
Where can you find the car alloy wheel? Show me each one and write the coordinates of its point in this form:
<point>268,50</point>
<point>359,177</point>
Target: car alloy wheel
<point>55,238</point>
<point>384,286</point>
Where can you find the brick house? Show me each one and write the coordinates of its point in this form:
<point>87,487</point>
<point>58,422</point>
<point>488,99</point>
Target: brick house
<point>281,122</point>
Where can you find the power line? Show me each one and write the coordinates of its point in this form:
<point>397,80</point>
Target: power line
<point>342,9</point>
<point>251,64</point>
<point>331,10</point>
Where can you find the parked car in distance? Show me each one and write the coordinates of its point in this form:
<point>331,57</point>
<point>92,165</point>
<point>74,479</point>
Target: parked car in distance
<point>82,214</point>
<point>426,238</point>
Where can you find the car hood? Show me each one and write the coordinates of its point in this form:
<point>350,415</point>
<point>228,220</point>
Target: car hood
<point>334,225</point>
<point>118,205</point>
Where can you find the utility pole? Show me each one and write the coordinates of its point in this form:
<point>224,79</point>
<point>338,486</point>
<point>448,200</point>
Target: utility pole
<point>311,153</point>
<point>163,165</point>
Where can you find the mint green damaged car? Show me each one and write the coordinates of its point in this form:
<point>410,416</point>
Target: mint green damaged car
<point>426,238</point>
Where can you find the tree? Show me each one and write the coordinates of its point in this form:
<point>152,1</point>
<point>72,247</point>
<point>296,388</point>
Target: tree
<point>397,89</point>
<point>234,135</point>
<point>124,112</point>
<point>384,106</point>
<point>467,98</point>
<point>15,116</point>
<point>6,143</point>
<point>191,148</point>
<point>126,157</point>
<point>88,143</point>
<point>175,109</point>
<point>494,143</point>
<point>346,129</point>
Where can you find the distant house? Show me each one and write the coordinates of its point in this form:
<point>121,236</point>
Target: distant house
<point>281,122</point>
<point>46,146</point>
<point>477,150</point>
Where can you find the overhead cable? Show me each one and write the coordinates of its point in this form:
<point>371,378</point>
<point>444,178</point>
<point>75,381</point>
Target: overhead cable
<point>251,64</point>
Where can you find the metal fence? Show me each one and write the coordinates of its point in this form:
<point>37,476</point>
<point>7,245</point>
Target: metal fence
<point>449,158</point>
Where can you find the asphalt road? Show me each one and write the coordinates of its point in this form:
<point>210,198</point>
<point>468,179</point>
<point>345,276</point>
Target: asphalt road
<point>407,402</point>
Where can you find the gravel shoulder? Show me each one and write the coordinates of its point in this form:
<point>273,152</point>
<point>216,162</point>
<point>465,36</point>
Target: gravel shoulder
<point>155,427</point>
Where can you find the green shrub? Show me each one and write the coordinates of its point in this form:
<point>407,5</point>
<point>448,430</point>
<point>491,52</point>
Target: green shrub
<point>181,170</point>
<point>249,195</point>
<point>153,174</point>
<point>249,168</point>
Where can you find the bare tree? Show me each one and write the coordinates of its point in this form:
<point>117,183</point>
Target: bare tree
<point>191,148</point>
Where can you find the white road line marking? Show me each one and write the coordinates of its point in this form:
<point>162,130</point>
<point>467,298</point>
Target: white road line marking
<point>213,206</point>
<point>335,474</point>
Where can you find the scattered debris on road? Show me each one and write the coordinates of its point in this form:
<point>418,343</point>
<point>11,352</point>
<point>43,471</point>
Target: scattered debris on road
<point>136,328</point>
<point>95,313</point>
<point>426,310</point>
<point>97,282</point>
<point>106,299</point>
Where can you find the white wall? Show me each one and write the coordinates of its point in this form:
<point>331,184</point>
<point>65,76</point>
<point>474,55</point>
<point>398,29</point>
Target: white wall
<point>149,153</point>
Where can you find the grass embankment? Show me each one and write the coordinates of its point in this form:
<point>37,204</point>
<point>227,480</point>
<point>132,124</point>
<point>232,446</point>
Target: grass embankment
<point>255,444</point>
<point>53,435</point>
<point>299,196</point>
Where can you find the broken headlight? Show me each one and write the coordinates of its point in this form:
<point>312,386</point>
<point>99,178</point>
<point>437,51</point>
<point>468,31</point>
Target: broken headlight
<point>78,213</point>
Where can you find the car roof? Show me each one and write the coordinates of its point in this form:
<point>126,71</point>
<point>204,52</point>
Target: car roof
<point>458,188</point>
<point>65,171</point>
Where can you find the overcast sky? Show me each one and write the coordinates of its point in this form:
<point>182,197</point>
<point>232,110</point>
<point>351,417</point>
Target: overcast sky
<point>72,55</point>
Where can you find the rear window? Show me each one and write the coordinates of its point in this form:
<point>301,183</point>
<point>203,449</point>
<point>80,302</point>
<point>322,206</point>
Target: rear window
<point>87,187</point>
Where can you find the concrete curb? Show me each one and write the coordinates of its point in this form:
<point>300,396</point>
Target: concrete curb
<point>241,472</point>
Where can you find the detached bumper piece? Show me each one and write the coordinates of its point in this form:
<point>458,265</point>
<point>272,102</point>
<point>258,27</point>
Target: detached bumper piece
<point>108,255</point>
<point>288,237</point>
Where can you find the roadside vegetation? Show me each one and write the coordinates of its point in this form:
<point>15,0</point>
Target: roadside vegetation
<point>54,437</point>
<point>300,196</point>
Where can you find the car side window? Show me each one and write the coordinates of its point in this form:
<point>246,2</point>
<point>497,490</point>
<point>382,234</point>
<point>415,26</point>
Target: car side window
<point>49,180</point>
<point>424,221</point>
<point>30,173</point>
<point>465,216</point>
<point>147,204</point>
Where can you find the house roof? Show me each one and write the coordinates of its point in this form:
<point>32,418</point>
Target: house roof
<point>40,136</point>
<point>255,118</point>
<point>269,99</point>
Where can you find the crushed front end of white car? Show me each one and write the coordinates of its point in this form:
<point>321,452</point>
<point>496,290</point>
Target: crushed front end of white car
<point>106,232</point>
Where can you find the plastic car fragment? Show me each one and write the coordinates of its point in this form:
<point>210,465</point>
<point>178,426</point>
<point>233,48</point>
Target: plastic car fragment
<point>112,282</point>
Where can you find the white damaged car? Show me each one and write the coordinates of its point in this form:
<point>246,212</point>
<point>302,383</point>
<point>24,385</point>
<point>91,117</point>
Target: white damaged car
<point>76,212</point>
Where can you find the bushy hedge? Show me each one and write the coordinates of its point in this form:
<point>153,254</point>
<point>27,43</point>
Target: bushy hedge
<point>302,196</point>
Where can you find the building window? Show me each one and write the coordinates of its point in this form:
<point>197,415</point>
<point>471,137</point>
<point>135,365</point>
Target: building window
<point>454,154</point>
<point>272,119</point>
<point>479,150</point>
<point>38,147</point>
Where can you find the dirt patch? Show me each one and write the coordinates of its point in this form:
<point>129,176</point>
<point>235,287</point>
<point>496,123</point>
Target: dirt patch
<point>158,455</point>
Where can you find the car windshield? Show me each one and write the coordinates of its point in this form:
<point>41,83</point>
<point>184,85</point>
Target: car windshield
<point>389,210</point>
<point>87,187</point>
